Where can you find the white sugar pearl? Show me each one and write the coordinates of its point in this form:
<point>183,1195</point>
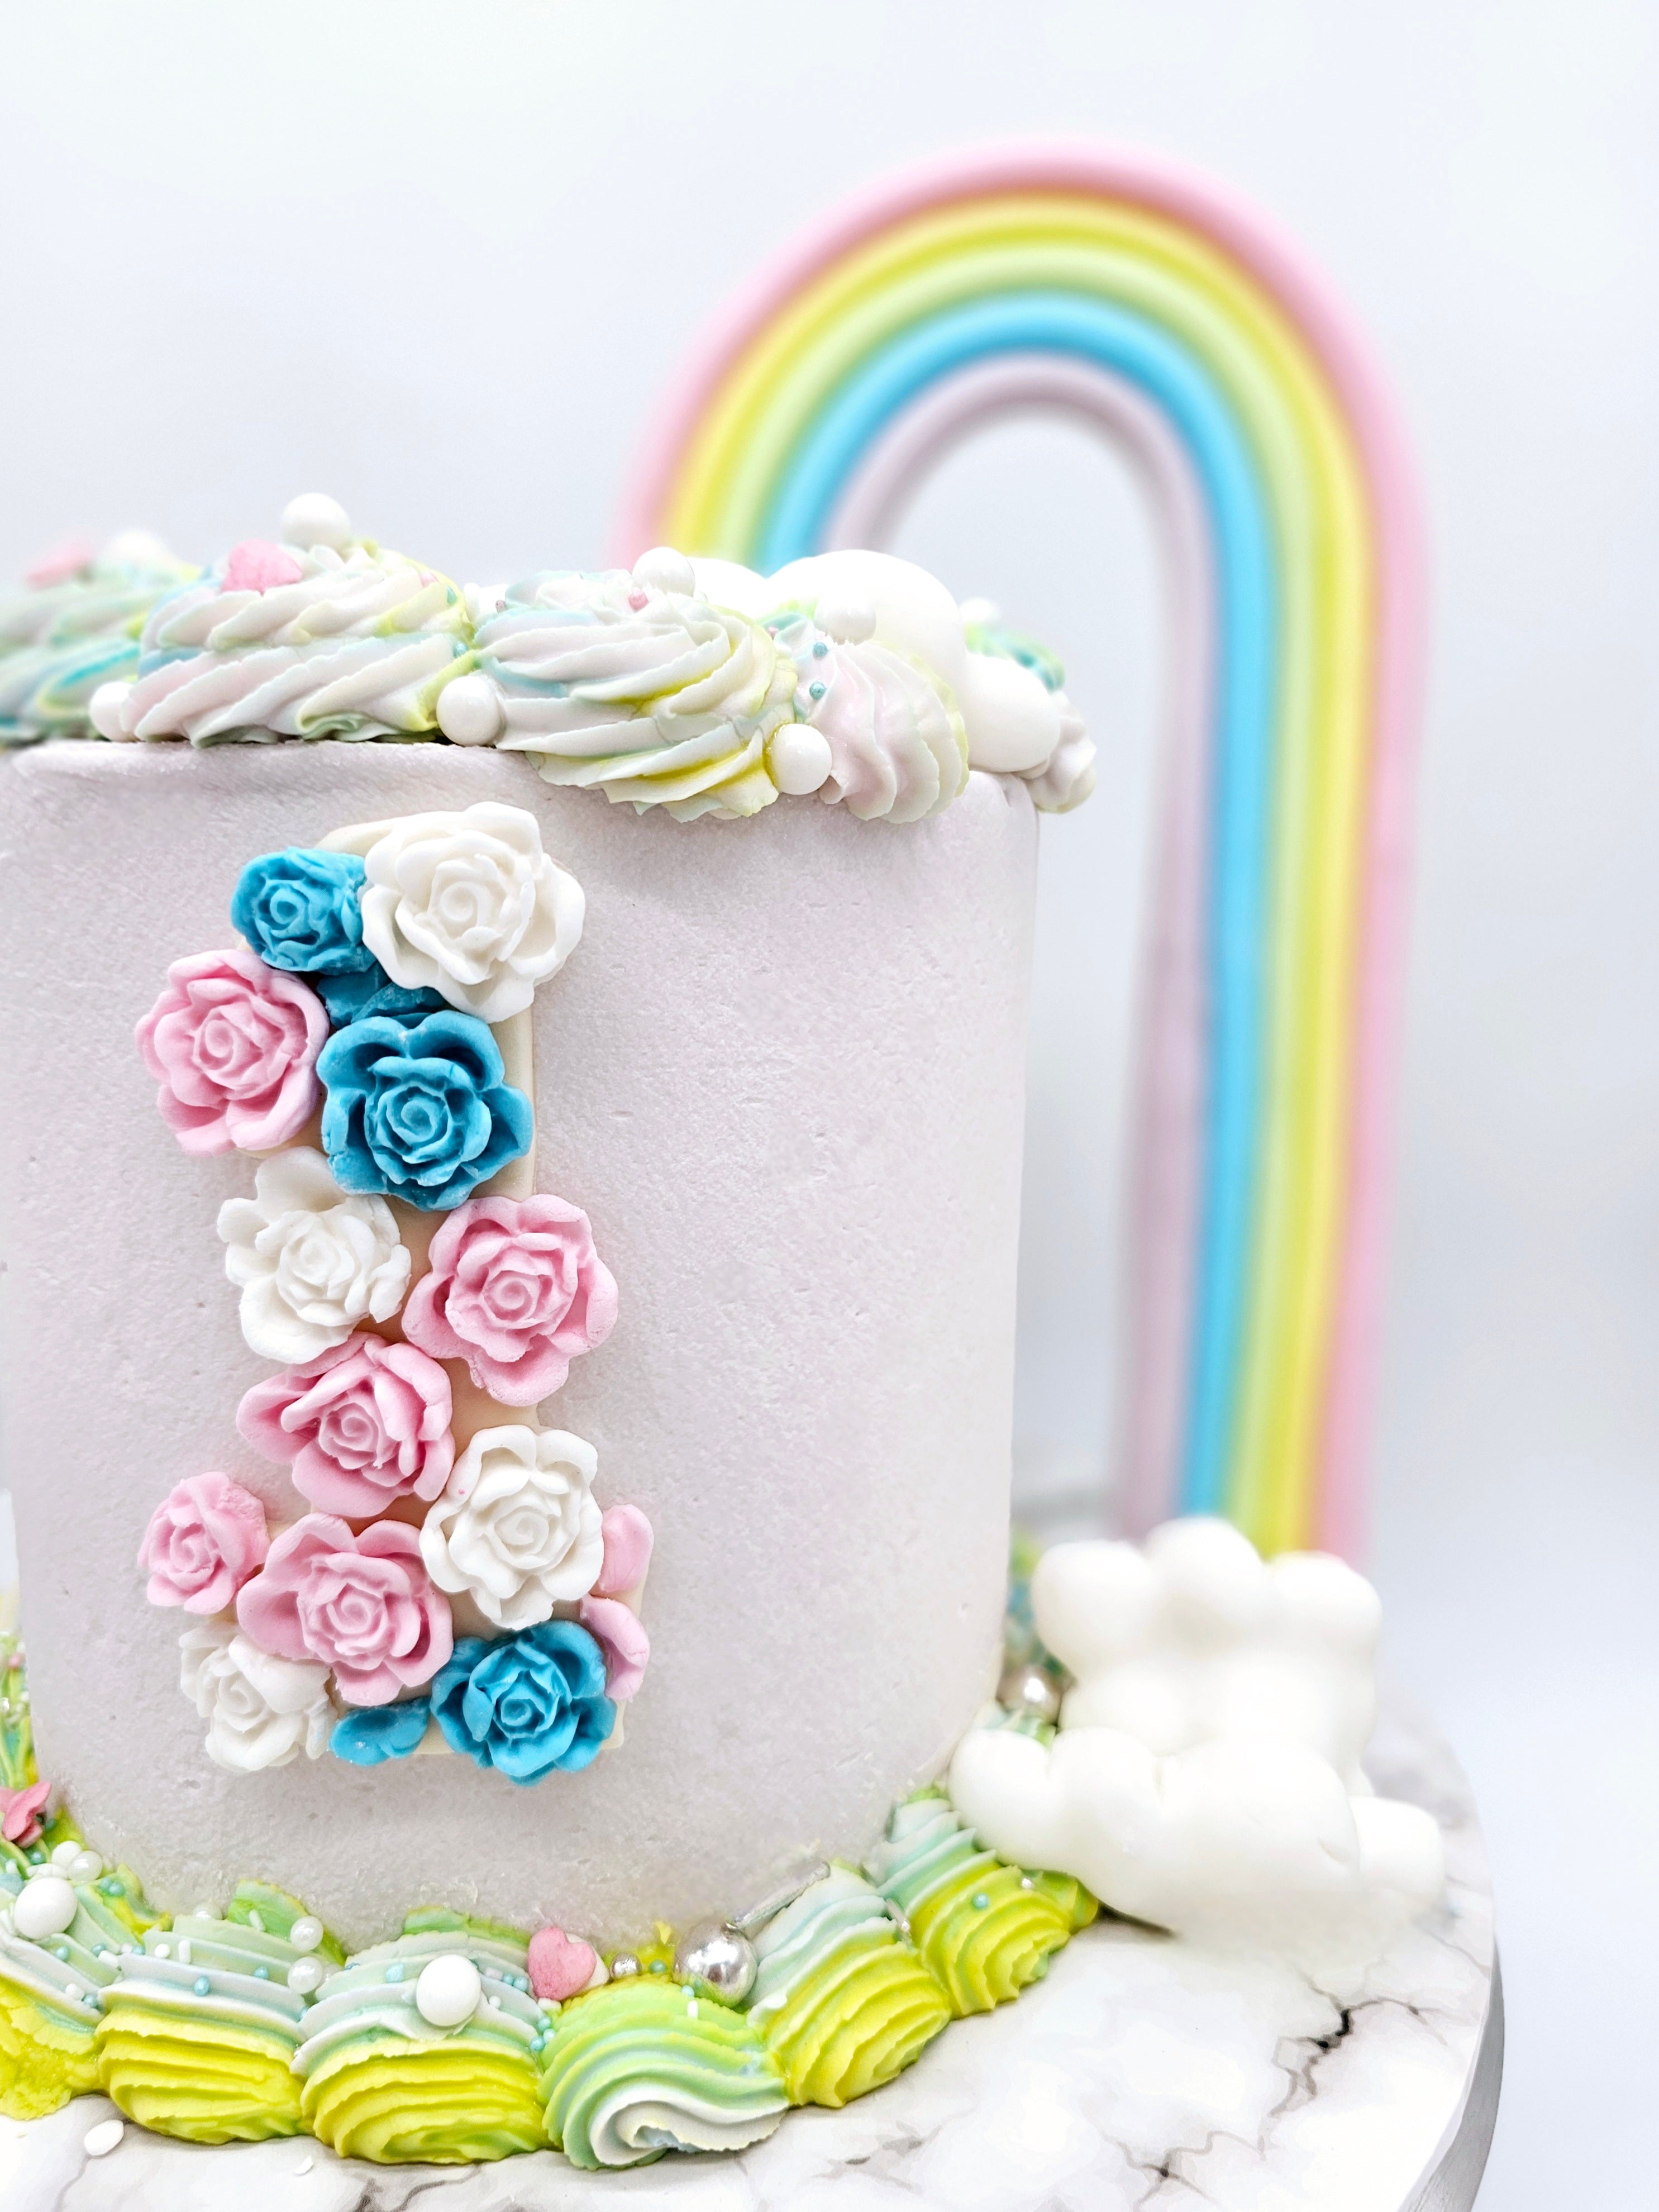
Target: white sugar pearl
<point>304,1976</point>
<point>104,710</point>
<point>99,2142</point>
<point>849,622</point>
<point>307,1933</point>
<point>64,1853</point>
<point>663,569</point>
<point>85,1866</point>
<point>448,1991</point>
<point>470,710</point>
<point>44,1907</point>
<point>798,757</point>
<point>314,518</point>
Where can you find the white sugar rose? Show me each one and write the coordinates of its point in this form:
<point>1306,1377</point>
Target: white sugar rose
<point>260,1710</point>
<point>516,1526</point>
<point>310,1262</point>
<point>466,904</point>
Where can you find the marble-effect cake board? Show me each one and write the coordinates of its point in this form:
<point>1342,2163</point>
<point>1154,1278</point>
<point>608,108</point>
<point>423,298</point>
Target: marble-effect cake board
<point>1141,2074</point>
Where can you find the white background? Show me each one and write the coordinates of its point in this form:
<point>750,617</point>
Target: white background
<point>440,260</point>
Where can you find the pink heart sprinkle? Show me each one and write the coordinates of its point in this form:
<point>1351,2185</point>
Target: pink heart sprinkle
<point>256,565</point>
<point>560,1965</point>
<point>627,1541</point>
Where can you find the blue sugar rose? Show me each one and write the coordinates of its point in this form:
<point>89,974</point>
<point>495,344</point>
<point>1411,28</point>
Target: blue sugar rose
<point>419,1108</point>
<point>365,991</point>
<point>300,910</point>
<point>530,1705</point>
<point>377,1733</point>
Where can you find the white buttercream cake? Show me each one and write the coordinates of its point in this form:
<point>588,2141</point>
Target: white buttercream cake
<point>510,1175</point>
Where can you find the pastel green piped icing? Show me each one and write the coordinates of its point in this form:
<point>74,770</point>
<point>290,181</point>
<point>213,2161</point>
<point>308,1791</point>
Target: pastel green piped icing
<point>199,2030</point>
<point>643,2066</point>
<point>273,1912</point>
<point>1080,1906</point>
<point>379,2082</point>
<point>843,2003</point>
<point>984,1929</point>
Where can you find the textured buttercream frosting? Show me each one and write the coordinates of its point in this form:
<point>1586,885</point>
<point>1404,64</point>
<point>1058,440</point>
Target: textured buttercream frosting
<point>783,1078</point>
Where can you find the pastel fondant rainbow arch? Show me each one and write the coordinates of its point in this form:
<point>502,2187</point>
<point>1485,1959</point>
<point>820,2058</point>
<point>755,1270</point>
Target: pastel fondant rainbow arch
<point>1148,306</point>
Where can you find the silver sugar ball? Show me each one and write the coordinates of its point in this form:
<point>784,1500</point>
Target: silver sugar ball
<point>717,1961</point>
<point>624,1966</point>
<point>1025,1688</point>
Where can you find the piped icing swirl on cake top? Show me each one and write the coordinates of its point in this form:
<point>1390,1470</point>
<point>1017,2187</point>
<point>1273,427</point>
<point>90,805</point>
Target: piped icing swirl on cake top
<point>73,627</point>
<point>699,687</point>
<point>322,635</point>
<point>426,2047</point>
<point>843,2001</point>
<point>645,2065</point>
<point>639,688</point>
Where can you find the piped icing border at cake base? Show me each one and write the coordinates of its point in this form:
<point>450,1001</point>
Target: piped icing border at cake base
<point>1196,1739</point>
<point>445,2045</point>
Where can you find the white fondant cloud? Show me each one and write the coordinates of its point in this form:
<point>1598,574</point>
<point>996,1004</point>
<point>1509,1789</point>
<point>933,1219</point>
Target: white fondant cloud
<point>1245,1840</point>
<point>1195,1636</point>
<point>1206,1776</point>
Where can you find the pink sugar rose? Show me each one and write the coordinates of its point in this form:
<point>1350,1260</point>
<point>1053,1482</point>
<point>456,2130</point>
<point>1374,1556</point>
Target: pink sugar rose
<point>204,1540</point>
<point>621,1637</point>
<point>362,1423</point>
<point>627,1541</point>
<point>21,1812</point>
<point>233,1045</point>
<point>363,1605</point>
<point>517,1290</point>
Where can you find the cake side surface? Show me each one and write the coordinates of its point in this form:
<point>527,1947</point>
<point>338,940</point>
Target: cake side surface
<point>784,1078</point>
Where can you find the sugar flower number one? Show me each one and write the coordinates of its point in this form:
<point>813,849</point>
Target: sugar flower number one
<point>381,987</point>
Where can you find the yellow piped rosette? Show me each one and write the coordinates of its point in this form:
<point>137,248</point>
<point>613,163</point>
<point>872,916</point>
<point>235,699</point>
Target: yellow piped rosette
<point>842,2001</point>
<point>984,1929</point>
<point>200,2028</point>
<point>381,2081</point>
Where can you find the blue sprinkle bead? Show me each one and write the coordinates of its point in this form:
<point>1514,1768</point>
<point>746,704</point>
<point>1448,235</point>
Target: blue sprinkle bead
<point>980,1900</point>
<point>112,1888</point>
<point>262,1973</point>
<point>814,691</point>
<point>201,1985</point>
<point>395,1971</point>
<point>819,648</point>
